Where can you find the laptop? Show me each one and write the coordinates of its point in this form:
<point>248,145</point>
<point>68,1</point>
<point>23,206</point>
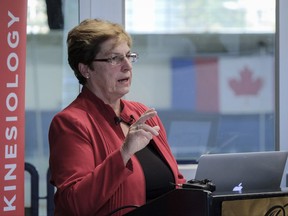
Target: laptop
<point>243,172</point>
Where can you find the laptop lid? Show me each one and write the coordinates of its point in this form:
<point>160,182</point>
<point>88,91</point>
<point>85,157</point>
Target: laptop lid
<point>240,172</point>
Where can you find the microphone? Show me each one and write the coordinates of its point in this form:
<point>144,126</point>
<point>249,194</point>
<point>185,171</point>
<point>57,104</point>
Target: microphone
<point>118,120</point>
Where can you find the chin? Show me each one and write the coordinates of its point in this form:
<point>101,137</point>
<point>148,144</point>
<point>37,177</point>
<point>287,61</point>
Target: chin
<point>124,92</point>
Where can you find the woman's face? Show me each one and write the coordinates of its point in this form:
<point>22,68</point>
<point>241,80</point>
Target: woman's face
<point>111,82</point>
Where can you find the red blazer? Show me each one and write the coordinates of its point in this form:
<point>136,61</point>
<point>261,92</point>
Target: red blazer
<point>85,160</point>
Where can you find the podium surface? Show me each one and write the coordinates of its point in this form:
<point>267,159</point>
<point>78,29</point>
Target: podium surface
<point>191,202</point>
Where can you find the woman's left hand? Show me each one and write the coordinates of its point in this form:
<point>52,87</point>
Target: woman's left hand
<point>139,135</point>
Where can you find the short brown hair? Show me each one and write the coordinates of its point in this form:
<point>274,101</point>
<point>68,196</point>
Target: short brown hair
<point>84,42</point>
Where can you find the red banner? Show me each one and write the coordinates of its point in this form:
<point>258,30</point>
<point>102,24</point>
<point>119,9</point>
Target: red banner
<point>13,16</point>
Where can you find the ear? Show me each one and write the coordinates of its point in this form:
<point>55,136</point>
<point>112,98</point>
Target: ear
<point>84,70</point>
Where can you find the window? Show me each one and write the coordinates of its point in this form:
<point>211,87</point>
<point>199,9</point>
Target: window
<point>207,58</point>
<point>37,17</point>
<point>50,84</point>
<point>200,16</point>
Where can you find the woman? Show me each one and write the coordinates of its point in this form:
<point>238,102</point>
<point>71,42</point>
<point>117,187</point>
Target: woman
<point>107,153</point>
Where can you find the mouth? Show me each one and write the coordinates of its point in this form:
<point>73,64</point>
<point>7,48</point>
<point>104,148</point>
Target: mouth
<point>123,80</point>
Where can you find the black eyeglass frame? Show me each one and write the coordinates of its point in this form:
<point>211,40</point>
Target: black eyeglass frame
<point>120,58</point>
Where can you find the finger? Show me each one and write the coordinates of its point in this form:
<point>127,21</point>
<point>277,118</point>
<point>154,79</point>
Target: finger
<point>147,115</point>
<point>157,128</point>
<point>148,136</point>
<point>153,130</point>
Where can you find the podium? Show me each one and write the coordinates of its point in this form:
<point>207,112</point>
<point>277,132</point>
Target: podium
<point>256,203</point>
<point>179,202</point>
<point>191,202</point>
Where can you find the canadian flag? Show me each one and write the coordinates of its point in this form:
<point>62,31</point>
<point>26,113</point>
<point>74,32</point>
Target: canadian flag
<point>246,84</point>
<point>227,85</point>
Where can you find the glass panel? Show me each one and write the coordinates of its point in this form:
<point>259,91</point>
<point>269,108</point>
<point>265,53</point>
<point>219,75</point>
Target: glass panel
<point>49,86</point>
<point>208,68</point>
<point>186,16</point>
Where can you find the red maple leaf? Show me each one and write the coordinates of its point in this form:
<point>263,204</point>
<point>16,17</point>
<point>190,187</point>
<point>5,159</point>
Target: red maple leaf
<point>246,85</point>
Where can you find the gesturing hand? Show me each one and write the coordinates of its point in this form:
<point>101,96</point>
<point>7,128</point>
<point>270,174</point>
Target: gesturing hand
<point>139,135</point>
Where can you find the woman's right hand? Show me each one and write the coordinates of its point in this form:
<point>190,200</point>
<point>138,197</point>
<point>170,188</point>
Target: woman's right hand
<point>139,135</point>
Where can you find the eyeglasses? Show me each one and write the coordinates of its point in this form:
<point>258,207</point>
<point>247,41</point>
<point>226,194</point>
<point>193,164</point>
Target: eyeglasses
<point>118,59</point>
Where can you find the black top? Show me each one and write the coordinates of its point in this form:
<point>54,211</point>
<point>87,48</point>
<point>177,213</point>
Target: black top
<point>158,174</point>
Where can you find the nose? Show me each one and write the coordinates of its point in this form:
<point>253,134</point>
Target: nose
<point>126,64</point>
